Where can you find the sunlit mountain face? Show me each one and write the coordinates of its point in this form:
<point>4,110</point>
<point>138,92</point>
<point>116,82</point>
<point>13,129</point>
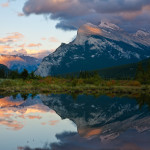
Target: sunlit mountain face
<point>6,60</point>
<point>49,122</point>
<point>96,47</point>
<point>16,62</point>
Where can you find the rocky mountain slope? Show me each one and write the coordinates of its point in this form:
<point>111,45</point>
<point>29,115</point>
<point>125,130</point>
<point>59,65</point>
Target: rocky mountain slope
<point>16,62</point>
<point>101,115</point>
<point>97,47</point>
<point>118,72</point>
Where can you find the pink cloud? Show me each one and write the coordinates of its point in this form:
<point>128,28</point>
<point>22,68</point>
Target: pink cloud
<point>5,4</point>
<point>54,40</point>
<point>131,15</point>
<point>34,45</point>
<point>13,37</point>
<point>12,124</point>
<point>34,117</point>
<point>43,38</point>
<point>39,53</point>
<point>22,45</point>
<point>53,122</point>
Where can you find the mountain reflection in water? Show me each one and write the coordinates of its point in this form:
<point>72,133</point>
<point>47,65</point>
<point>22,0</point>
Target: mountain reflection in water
<point>59,122</point>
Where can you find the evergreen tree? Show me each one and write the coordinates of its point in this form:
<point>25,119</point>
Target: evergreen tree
<point>140,73</point>
<point>32,76</point>
<point>2,73</point>
<point>24,75</point>
<point>147,76</point>
<point>14,74</point>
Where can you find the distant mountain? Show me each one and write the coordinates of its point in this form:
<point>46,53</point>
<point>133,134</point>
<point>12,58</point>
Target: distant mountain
<point>4,71</point>
<point>16,62</point>
<point>97,47</point>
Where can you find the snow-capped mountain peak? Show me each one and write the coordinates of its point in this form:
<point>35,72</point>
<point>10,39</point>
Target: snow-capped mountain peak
<point>85,31</point>
<point>96,47</point>
<point>89,29</point>
<point>142,33</point>
<point>108,25</point>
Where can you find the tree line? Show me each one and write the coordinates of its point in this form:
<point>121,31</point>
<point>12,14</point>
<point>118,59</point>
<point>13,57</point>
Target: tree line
<point>7,74</point>
<point>143,73</point>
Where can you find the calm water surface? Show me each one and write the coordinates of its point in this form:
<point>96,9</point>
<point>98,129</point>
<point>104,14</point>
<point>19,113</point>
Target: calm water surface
<point>61,122</point>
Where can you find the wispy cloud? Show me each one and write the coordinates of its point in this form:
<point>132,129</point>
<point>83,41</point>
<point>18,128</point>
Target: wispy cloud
<point>43,38</point>
<point>5,4</point>
<point>14,44</point>
<point>12,37</point>
<point>54,40</point>
<point>34,45</point>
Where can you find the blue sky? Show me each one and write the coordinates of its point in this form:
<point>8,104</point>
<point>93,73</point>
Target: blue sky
<point>36,29</point>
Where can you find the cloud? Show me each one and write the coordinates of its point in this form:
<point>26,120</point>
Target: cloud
<point>32,52</point>
<point>11,112</point>
<point>15,125</point>
<point>43,38</point>
<point>37,53</point>
<point>34,117</point>
<point>5,4</point>
<point>13,37</point>
<point>22,45</point>
<point>12,45</point>
<point>20,14</point>
<point>72,141</point>
<point>131,15</point>
<point>53,122</point>
<point>54,40</point>
<point>7,102</point>
<point>72,14</point>
<point>7,50</point>
<point>4,47</point>
<point>21,52</point>
<point>34,45</point>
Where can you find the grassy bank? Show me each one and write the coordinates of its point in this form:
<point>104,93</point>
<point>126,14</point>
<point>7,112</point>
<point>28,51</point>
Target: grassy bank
<point>79,86</point>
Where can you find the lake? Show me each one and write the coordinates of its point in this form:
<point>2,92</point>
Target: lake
<point>65,122</point>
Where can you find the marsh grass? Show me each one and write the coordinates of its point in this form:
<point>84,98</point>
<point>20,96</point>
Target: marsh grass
<point>75,85</point>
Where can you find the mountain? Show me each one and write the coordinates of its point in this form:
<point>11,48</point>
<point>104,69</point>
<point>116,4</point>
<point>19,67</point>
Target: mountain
<point>97,47</point>
<point>16,62</point>
<point>101,116</point>
<point>123,71</point>
<point>118,72</point>
<point>4,71</point>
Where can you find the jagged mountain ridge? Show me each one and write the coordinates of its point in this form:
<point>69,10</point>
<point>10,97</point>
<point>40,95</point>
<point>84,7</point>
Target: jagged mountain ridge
<point>97,47</point>
<point>103,113</point>
<point>20,62</point>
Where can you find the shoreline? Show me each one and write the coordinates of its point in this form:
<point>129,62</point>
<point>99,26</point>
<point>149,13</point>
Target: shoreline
<point>53,85</point>
<point>91,90</point>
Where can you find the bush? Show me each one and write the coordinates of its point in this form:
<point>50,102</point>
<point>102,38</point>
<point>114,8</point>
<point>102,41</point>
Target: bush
<point>74,82</point>
<point>134,83</point>
<point>7,83</point>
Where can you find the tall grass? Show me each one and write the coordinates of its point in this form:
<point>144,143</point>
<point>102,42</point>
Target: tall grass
<point>68,85</point>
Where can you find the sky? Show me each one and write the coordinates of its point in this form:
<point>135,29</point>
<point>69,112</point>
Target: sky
<point>38,27</point>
